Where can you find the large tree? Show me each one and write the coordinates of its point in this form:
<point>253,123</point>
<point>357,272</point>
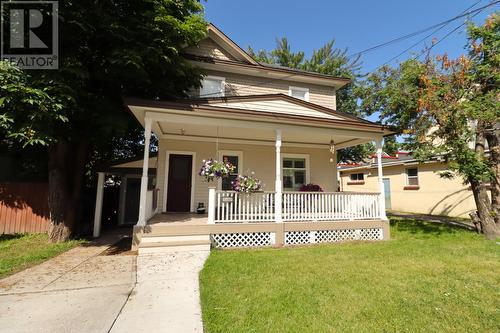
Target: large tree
<point>451,109</point>
<point>108,49</point>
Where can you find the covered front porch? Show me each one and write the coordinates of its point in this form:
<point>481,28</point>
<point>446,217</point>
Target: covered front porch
<point>284,151</point>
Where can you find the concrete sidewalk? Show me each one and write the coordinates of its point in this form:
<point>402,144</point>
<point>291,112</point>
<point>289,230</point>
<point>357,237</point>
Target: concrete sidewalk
<point>88,290</point>
<point>78,291</point>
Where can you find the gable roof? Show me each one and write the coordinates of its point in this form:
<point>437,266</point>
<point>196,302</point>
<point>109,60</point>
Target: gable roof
<point>231,55</point>
<point>227,45</point>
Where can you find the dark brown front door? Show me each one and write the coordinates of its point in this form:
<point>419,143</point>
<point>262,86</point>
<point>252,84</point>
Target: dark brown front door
<point>179,183</point>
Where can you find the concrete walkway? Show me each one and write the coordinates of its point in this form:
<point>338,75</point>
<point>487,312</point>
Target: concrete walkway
<point>166,296</point>
<point>88,290</point>
<point>78,291</point>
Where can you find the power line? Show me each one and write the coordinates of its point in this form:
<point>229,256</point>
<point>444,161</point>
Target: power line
<point>395,40</point>
<point>427,36</point>
<point>443,38</point>
<point>439,25</point>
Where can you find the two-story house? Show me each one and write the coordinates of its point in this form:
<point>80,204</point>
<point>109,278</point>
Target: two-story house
<point>276,123</point>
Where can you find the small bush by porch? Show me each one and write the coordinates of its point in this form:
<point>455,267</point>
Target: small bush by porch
<point>428,278</point>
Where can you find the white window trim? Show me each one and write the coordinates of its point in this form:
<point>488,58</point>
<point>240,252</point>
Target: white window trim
<point>308,166</point>
<point>408,177</point>
<point>222,85</point>
<point>193,177</point>
<point>306,90</point>
<point>230,153</point>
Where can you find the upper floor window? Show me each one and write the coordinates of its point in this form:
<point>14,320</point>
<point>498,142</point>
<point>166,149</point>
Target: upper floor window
<point>212,86</point>
<point>300,93</point>
<point>412,176</point>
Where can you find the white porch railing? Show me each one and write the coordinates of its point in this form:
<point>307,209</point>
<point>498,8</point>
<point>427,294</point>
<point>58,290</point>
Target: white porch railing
<point>330,206</point>
<point>234,207</point>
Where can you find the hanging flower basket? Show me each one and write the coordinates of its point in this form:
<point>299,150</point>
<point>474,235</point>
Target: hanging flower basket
<point>247,184</point>
<point>212,169</point>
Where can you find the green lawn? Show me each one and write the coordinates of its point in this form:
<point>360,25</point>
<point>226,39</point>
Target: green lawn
<point>428,278</point>
<point>18,252</point>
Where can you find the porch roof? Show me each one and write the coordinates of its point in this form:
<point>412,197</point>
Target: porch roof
<point>227,118</point>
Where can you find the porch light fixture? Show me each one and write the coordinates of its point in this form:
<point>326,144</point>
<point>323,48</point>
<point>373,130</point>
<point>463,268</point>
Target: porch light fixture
<point>183,131</point>
<point>332,147</point>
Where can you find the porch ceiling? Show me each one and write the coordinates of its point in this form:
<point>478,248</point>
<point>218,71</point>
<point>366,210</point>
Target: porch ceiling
<point>185,131</point>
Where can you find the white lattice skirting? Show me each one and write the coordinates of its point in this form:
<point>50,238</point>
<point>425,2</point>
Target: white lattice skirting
<point>243,239</point>
<point>329,236</point>
<point>261,239</point>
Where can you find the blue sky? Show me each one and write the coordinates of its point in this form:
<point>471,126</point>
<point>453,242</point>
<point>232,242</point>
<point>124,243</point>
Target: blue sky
<point>356,25</point>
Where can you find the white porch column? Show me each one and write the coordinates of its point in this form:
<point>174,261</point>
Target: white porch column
<point>211,205</point>
<point>98,204</point>
<point>144,179</point>
<point>278,182</point>
<point>383,215</point>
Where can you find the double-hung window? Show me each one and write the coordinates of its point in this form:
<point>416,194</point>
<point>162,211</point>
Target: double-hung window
<point>235,158</point>
<point>212,86</point>
<point>299,92</point>
<point>294,172</point>
<point>412,176</point>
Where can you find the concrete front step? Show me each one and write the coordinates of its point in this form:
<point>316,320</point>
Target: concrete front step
<point>154,238</point>
<point>174,246</point>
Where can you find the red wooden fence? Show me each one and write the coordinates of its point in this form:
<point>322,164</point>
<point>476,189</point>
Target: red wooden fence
<point>23,208</point>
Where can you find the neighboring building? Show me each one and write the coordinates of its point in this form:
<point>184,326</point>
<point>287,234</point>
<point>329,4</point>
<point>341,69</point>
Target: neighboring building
<point>410,186</point>
<point>277,122</point>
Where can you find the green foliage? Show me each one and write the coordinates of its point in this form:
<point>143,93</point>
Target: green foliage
<point>355,154</point>
<point>391,145</point>
<point>27,112</point>
<point>108,49</point>
<point>393,93</point>
<point>443,104</point>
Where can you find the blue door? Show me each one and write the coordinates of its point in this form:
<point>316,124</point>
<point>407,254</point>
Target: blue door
<point>387,192</point>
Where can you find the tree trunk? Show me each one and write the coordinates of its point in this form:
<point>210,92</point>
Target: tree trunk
<point>483,204</point>
<point>492,136</point>
<point>488,225</point>
<point>66,169</point>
